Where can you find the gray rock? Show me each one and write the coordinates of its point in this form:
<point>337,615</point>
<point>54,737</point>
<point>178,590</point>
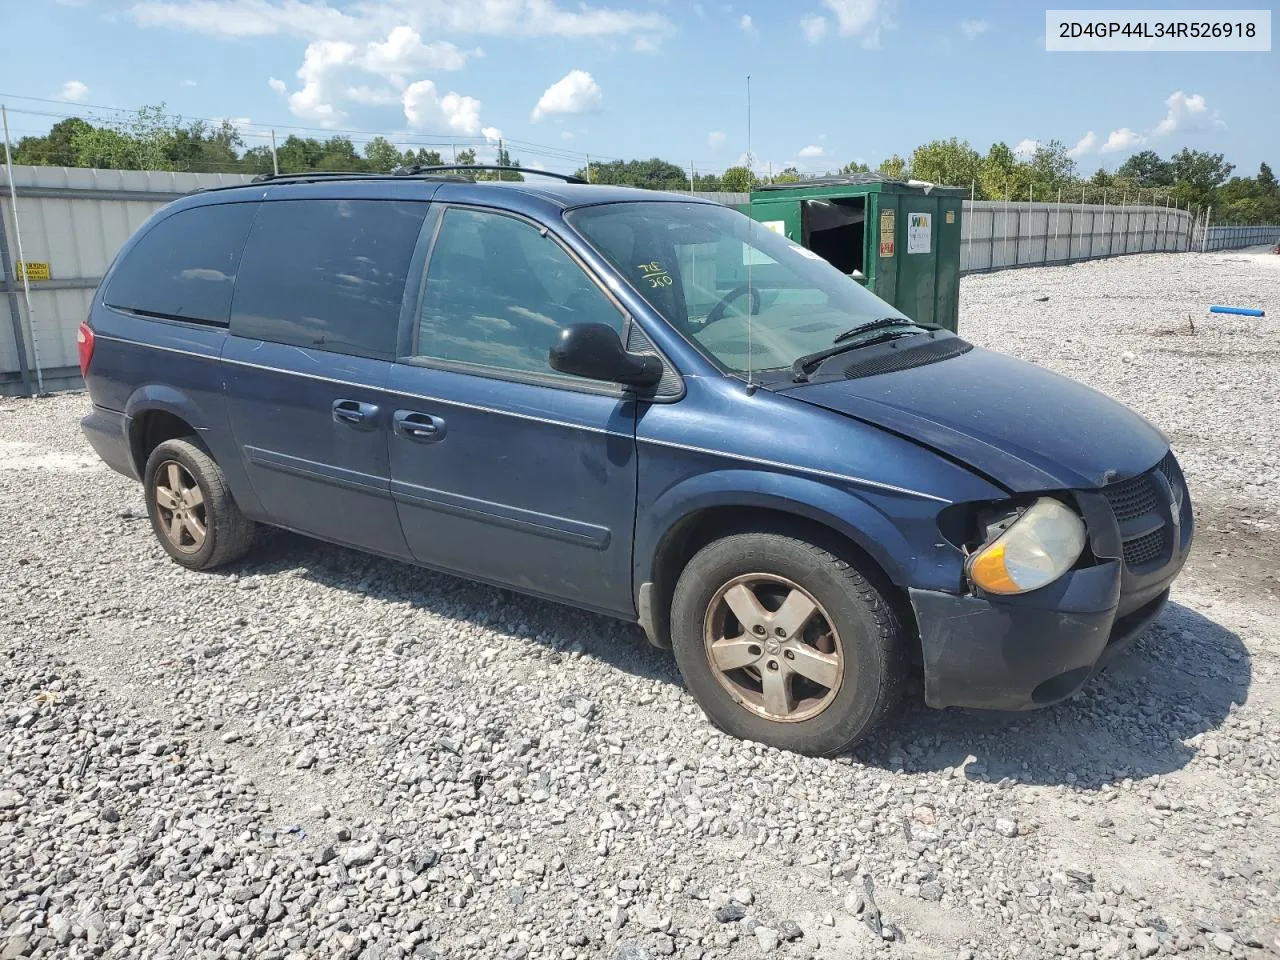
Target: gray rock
<point>360,854</point>
<point>1006,827</point>
<point>767,937</point>
<point>730,912</point>
<point>1146,943</point>
<point>10,799</point>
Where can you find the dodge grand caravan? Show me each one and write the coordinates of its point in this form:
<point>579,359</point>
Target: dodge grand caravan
<point>645,405</point>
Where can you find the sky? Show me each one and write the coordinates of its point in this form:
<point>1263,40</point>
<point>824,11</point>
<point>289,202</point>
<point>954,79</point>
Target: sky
<point>831,80</point>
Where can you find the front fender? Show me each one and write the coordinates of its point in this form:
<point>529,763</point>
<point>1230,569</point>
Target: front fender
<point>856,516</point>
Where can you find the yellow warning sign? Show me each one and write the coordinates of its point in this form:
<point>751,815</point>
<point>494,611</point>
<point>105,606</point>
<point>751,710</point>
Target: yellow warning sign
<point>951,216</point>
<point>886,233</point>
<point>32,271</point>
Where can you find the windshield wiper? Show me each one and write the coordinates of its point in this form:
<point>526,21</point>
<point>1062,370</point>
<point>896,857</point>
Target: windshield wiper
<point>802,367</point>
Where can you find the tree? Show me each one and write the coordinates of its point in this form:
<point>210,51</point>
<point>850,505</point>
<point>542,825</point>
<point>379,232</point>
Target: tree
<point>1146,169</point>
<point>951,162</point>
<point>1267,180</point>
<point>382,156</point>
<point>738,180</point>
<point>787,175</point>
<point>54,149</point>
<point>466,157</point>
<point>1102,178</point>
<point>1050,167</point>
<point>1197,174</point>
<point>853,167</point>
<point>895,168</point>
<point>998,174</point>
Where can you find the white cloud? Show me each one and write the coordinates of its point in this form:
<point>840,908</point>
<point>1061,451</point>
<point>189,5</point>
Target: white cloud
<point>810,152</point>
<point>492,134</point>
<point>372,96</point>
<point>279,86</point>
<point>1122,139</point>
<point>425,109</point>
<point>575,92</point>
<point>73,90</point>
<point>745,23</point>
<point>1187,114</point>
<point>860,18</point>
<point>1025,149</point>
<point>1084,145</point>
<point>698,9</point>
<point>325,20</point>
<point>403,52</point>
<point>245,18</point>
<point>644,43</point>
<point>972,28</point>
<point>328,67</point>
<point>315,99</point>
<point>188,83</point>
<point>566,134</point>
<point>715,139</point>
<point>814,28</point>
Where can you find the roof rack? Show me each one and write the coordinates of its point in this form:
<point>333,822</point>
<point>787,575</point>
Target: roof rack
<point>317,175</point>
<point>418,169</point>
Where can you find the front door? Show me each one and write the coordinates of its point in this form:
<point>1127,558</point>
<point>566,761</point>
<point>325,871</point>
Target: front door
<point>502,469</point>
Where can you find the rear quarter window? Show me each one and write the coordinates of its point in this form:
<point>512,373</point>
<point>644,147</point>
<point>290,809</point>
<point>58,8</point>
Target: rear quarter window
<point>328,274</point>
<point>184,268</point>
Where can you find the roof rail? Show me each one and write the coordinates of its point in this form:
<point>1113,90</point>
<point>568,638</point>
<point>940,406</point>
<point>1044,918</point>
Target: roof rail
<point>417,169</point>
<point>310,176</point>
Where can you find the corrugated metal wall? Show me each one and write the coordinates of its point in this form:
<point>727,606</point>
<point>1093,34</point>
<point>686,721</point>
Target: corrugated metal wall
<point>996,235</point>
<point>74,220</point>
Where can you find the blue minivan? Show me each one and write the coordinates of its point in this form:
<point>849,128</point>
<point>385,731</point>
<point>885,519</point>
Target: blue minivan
<point>646,405</point>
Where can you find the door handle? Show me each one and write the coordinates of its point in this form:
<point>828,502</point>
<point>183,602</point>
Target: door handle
<point>353,413</point>
<point>421,427</point>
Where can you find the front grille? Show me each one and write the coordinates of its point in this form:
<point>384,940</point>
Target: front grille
<point>1132,498</point>
<point>1139,509</point>
<point>1143,550</point>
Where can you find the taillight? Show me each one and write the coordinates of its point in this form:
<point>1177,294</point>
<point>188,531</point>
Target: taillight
<point>84,343</point>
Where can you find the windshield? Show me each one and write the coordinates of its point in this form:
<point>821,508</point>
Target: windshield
<point>693,261</point>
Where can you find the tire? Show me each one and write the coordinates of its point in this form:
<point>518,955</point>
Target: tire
<point>851,621</point>
<point>227,535</point>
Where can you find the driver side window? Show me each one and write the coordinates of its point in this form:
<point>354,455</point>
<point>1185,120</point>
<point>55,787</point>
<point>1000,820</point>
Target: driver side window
<point>498,291</point>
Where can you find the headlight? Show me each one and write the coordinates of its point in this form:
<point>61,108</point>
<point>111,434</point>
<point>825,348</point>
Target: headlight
<point>1035,550</point>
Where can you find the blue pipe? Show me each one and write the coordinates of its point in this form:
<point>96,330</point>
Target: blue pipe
<point>1242,311</point>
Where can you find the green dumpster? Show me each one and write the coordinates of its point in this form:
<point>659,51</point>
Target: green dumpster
<point>902,240</point>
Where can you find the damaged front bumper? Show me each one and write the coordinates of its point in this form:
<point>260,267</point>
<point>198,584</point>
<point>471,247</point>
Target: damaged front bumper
<point>1028,651</point>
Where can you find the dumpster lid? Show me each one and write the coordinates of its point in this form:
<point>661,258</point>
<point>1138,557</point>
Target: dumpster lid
<point>850,179</point>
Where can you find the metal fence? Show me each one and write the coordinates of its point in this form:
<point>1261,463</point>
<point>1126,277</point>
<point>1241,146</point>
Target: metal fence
<point>71,222</point>
<point>996,235</point>
<point>1233,237</point>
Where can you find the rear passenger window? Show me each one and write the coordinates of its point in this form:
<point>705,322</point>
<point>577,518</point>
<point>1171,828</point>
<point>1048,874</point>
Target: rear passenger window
<point>328,274</point>
<point>184,268</point>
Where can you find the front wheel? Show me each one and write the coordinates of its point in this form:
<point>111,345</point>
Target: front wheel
<point>785,643</point>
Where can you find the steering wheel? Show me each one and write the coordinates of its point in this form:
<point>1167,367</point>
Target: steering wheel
<point>718,311</point>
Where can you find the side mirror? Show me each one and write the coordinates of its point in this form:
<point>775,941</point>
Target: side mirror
<point>595,351</point>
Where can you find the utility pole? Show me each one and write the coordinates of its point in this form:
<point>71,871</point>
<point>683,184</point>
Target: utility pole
<point>275,160</point>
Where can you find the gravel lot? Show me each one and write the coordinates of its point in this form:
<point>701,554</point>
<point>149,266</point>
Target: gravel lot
<point>322,754</point>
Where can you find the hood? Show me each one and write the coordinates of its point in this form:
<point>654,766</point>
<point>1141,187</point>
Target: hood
<point>1024,427</point>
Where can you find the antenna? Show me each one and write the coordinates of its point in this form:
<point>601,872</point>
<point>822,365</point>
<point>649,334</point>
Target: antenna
<point>751,250</point>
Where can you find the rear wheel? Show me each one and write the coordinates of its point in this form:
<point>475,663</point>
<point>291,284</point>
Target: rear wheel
<point>786,643</point>
<point>191,509</point>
